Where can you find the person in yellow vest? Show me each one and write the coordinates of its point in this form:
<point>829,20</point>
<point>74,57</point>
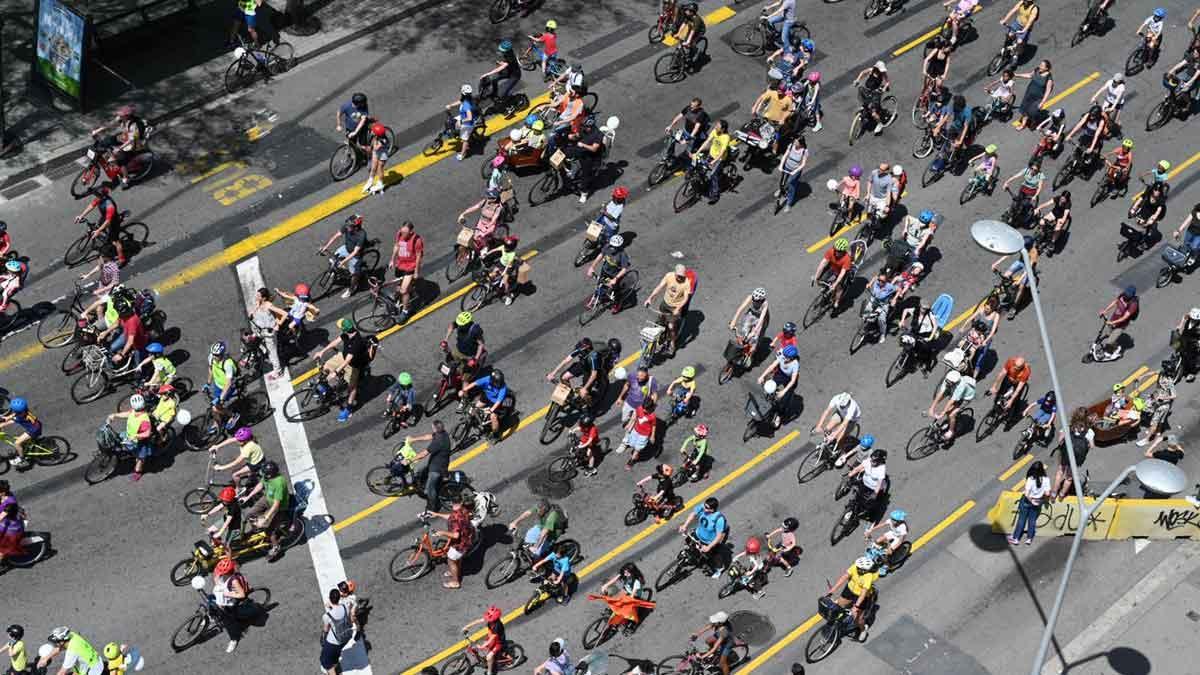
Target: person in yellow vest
<point>139,431</point>
<point>79,657</point>
<point>245,12</point>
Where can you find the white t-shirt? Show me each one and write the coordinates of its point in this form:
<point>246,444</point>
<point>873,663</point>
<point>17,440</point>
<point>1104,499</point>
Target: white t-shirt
<point>1153,25</point>
<point>873,475</point>
<point>1034,490</point>
<point>896,532</point>
<point>850,411</point>
<point>338,614</point>
<point>964,392</point>
<point>1114,93</point>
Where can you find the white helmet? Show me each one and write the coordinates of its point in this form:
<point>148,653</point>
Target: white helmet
<point>1194,314</point>
<point>616,241</point>
<point>1118,76</point>
<point>466,90</point>
<point>897,170</point>
<point>62,633</point>
<point>759,294</point>
<point>841,400</point>
<point>953,377</point>
<point>865,563</point>
<point>719,617</point>
<point>880,66</point>
<point>769,387</point>
<point>619,373</point>
<point>137,402</point>
<point>514,135</point>
<point>916,268</point>
<point>239,53</point>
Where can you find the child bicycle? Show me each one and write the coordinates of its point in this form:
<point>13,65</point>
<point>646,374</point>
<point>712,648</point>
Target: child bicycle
<point>511,656</point>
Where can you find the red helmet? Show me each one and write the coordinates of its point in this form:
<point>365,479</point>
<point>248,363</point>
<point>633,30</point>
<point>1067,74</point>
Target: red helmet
<point>301,290</point>
<point>226,566</point>
<point>166,389</point>
<point>378,129</point>
<point>511,240</point>
<point>620,192</point>
<point>492,614</point>
<point>228,494</point>
<point>753,546</point>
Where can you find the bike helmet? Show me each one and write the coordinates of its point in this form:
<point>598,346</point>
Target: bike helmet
<point>769,387</point>
<point>1194,314</point>
<point>897,170</point>
<point>899,516</point>
<point>530,119</point>
<point>619,373</point>
<point>165,389</point>
<point>1164,165</point>
<point>1160,13</point>
<point>665,470</point>
<point>808,45</point>
<point>855,171</point>
<point>18,405</point>
<point>688,373</point>
<point>867,441</point>
<point>790,524</point>
<point>1118,77</point>
<point>1049,398</point>
<point>59,635</point>
<point>217,348</point>
<point>12,266</point>
<point>880,66</point>
<point>551,25</point>
<point>466,90</point>
<point>879,456</point>
<point>511,241</point>
<point>1130,291</point>
<point>991,149</point>
<point>926,216</point>
<point>616,241</point>
<point>587,420</point>
<point>718,618</point>
<point>614,347</point>
<point>301,290</point>
<point>1127,144</point>
<point>243,434</point>
<point>789,328</point>
<point>1118,387</point>
<point>865,564</point>
<point>753,546</point>
<point>227,495</point>
<point>700,430</point>
<point>125,111</point>
<point>463,319</point>
<point>814,76</point>
<point>1058,113</point>
<point>505,46</point>
<point>224,567</point>
<point>345,324</point>
<point>1094,111</point>
<point>841,400</point>
<point>155,348</point>
<point>759,294</point>
<point>137,402</point>
<point>16,632</point>
<point>3,227</point>
<point>953,377</point>
<point>497,377</point>
<point>491,614</point>
<point>359,100</point>
<point>841,244</point>
<point>790,352</point>
<point>404,380</point>
<point>270,469</point>
<point>112,650</point>
<point>539,125</point>
<point>916,269</point>
<point>620,192</point>
<point>378,130</point>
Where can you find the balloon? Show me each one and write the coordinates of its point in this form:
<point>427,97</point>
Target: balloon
<point>183,416</point>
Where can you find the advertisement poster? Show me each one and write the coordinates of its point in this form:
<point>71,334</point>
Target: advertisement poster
<point>60,44</point>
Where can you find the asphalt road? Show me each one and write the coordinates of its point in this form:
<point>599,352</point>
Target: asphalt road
<point>116,541</point>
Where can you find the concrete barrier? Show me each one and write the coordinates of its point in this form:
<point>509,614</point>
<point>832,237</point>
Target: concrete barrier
<point>1116,518</point>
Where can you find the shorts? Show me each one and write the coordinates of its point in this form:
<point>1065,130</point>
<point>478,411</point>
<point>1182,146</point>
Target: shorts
<point>354,263</point>
<point>381,155</point>
<point>636,441</point>
<point>1015,28</point>
<point>877,204</point>
<point>1041,416</point>
<point>847,594</point>
<point>144,450</point>
<point>401,273</point>
<point>330,654</point>
<point>464,130</point>
<point>454,554</point>
<point>217,392</point>
<point>668,313</point>
<point>353,375</point>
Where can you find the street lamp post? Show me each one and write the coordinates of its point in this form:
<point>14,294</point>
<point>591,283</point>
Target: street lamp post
<point>1155,474</point>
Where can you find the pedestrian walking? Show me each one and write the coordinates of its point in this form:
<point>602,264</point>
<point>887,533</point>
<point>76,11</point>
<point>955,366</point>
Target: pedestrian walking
<point>338,626</point>
<point>1037,92</point>
<point>1030,504</point>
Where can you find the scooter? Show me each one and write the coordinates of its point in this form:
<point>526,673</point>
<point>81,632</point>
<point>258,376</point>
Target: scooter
<point>1097,352</point>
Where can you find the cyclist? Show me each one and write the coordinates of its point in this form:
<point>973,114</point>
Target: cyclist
<point>787,553</point>
<point>572,78</point>
<point>1189,230</point>
<point>164,369</point>
<point>892,538</point>
<point>1032,182</point>
<point>1001,91</point>
<point>923,325</point>
<point>79,656</point>
<point>301,309</point>
<point>354,119</point>
<point>881,191</point>
<point>610,217</point>
<point>31,428</point>
<point>754,570</point>
<point>841,412</point>
<point>139,433</point>
<point>1043,412</point>
<point>1094,127</point>
<point>776,107</point>
<point>695,123</point>
<point>717,144</point>
<point>871,474</point>
<point>631,582</point>
<point>1190,62</point>
<point>110,271</point>
<point>784,371</point>
<point>1052,129</point>
<point>782,13</point>
<point>492,394</point>
<point>356,352</point>
<point>986,165</point>
<point>784,338</point>
<point>380,148</point>
<point>129,139</point>
<point>960,13</point>
<point>610,267</point>
<point>1151,30</point>
<point>849,191</point>
<point>495,641</point>
<point>960,398</point>
<point>980,329</point>
<point>1119,166</point>
<point>548,39</point>
<point>720,642</point>
<point>464,340</point>
<point>834,268</point>
<point>1020,19</point>
<point>685,386</point>
<point>499,82</point>
<point>466,118</point>
<point>249,460</point>
<point>936,66</point>
<point>111,219</point>
<point>349,254</point>
<point>1114,96</point>
<point>402,399</point>
<point>586,363</point>
<point>551,522</point>
<point>270,513</point>
<point>918,232</point>
<point>230,530</point>
<point>661,501</point>
<point>676,291</point>
<point>10,282</point>
<point>874,83</point>
<point>694,452</point>
<point>569,122</point>
<point>711,530</point>
<point>559,662</point>
<point>859,591</point>
<point>640,432</point>
<point>1148,208</point>
<point>1057,215</point>
<point>639,387</point>
<point>1011,382</point>
<point>130,334</point>
<point>751,316</point>
<point>1124,310</point>
<point>15,648</point>
<point>504,268</point>
<point>883,299</point>
<point>689,31</point>
<point>957,125</point>
<point>587,438</point>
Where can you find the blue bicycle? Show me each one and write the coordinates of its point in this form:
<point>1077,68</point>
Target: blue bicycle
<point>531,59</point>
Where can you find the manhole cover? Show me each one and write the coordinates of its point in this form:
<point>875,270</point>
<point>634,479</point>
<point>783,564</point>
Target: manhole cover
<point>541,485</point>
<point>756,629</point>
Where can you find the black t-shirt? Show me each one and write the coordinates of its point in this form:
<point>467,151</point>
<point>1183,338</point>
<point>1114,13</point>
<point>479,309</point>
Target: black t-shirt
<point>234,512</point>
<point>512,69</point>
<point>467,338</point>
<point>873,82</point>
<point>357,350</point>
<point>691,117</point>
<point>589,137</point>
<point>439,453</point>
<point>667,488</point>
<point>1193,227</point>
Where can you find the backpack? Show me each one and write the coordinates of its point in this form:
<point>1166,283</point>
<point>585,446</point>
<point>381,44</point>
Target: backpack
<point>107,439</point>
<point>341,629</point>
<point>562,519</point>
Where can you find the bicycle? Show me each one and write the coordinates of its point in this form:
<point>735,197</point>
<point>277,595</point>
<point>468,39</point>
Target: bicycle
<point>317,397</point>
<point>100,165</point>
<point>607,296</point>
<point>384,481</point>
<point>1109,187</point>
<point>349,156</point>
<point>1143,56</point>
<point>206,554</point>
<point>87,247</point>
<point>449,132</point>
<point>1001,413</point>
<point>565,467</point>
<point>1029,436</point>
<point>609,622</point>
<point>252,62</point>
<point>531,59</point>
<point>43,451</point>
<point>489,286</point>
<point>62,327</point>
<point>844,214</point>
<point>946,158</point>
<point>518,559</point>
<point>978,183</point>
<point>654,338</point>
<point>674,66</point>
<point>500,10</point>
<point>1020,210</point>
<point>1177,260</point>
<point>1094,21</point>
<point>1008,56</point>
<point>888,110</point>
<point>642,508</point>
<point>474,421</point>
<point>1174,104</point>
<point>931,438</point>
<point>758,36</point>
<point>668,161</point>
<point>688,560</point>
<point>36,546</point>
<point>907,360</point>
<point>822,303</point>
<point>384,310</point>
<point>874,8</point>
<point>823,455</point>
<point>693,661</point>
<point>696,178</point>
<point>415,561</point>
<point>209,619</point>
<point>920,106</point>
<point>757,418</point>
<point>511,655</point>
<point>201,432</point>
<point>468,251</point>
<point>100,374</point>
<point>591,244</point>
<point>739,356</point>
<point>567,402</point>
<point>1081,161</point>
<point>738,579</point>
<point>335,274</point>
<point>839,622</point>
<point>888,561</point>
<point>453,374</point>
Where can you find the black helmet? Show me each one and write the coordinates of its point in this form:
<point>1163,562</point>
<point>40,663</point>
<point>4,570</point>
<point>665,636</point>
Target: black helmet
<point>879,456</point>
<point>712,503</point>
<point>587,420</point>
<point>3,229</point>
<point>790,524</point>
<point>1094,111</point>
<point>979,325</point>
<point>16,632</point>
<point>1051,398</point>
<point>584,343</point>
<point>270,469</point>
<point>359,100</point>
<point>614,346</point>
<point>789,328</point>
<point>497,377</point>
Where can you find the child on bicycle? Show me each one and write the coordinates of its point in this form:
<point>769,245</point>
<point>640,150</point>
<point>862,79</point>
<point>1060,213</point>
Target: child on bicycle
<point>986,164</point>
<point>231,527</point>
<point>495,640</point>
<point>11,281</point>
<point>660,502</point>
<point>549,45</point>
<point>558,572</point>
<point>165,409</point>
<point>401,399</point>
<point>1043,412</point>
<point>506,268</point>
<point>754,568</point>
<point>695,451</point>
<point>1001,91</point>
<point>31,428</point>
<point>401,464</point>
<point>587,438</point>
<point>787,553</point>
<point>683,390</point>
<point>849,191</point>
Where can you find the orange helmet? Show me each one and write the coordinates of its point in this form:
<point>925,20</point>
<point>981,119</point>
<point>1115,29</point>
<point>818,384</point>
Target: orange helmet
<point>226,566</point>
<point>753,546</point>
<point>227,495</point>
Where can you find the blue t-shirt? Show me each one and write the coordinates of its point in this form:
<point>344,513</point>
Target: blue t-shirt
<point>465,107</point>
<point>1046,406</point>
<point>351,115</point>
<point>493,393</point>
<point>882,291</point>
<point>561,564</point>
<point>30,423</point>
<point>403,395</point>
<point>708,525</point>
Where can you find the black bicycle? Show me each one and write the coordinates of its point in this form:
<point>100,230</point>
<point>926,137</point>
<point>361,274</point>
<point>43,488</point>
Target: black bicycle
<point>696,179</point>
<point>758,36</point>
<point>251,63</point>
<point>336,274</point>
<point>839,623</point>
<point>675,65</point>
<point>1143,56</point>
<point>607,296</point>
<point>1175,103</point>
<point>349,156</point>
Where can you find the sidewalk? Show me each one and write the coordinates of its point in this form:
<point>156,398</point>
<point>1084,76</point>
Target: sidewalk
<point>167,80</point>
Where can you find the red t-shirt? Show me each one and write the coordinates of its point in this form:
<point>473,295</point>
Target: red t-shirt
<point>901,184</point>
<point>837,263</point>
<point>550,43</point>
<point>1015,374</point>
<point>643,422</point>
<point>407,251</point>
<point>135,331</point>
<point>785,341</point>
<point>589,436</point>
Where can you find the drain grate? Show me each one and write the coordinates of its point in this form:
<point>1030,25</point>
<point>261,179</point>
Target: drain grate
<point>541,485</point>
<point>20,188</point>
<point>756,629</point>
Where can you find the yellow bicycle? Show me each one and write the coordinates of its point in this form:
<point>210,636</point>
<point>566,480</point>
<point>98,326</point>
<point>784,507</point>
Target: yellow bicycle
<point>46,451</point>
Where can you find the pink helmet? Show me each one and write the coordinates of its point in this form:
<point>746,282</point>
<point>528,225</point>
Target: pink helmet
<point>243,434</point>
<point>814,76</point>
<point>497,161</point>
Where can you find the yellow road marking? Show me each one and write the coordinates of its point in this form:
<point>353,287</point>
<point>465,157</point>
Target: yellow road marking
<point>711,19</point>
<point>1136,374</point>
<point>382,503</point>
<point>1066,92</point>
<point>821,244</point>
<point>1150,382</point>
<point>218,169</point>
<point>962,317</point>
<point>917,41</point>
<point>815,619</point>
<point>1017,486</point>
<point>599,562</point>
<point>1016,467</point>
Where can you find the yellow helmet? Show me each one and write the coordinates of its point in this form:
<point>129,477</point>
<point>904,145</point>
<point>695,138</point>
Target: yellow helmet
<point>551,25</point>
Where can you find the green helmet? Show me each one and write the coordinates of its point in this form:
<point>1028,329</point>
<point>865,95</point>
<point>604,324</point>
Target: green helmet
<point>991,149</point>
<point>688,372</point>
<point>841,244</point>
<point>404,380</point>
<point>345,325</point>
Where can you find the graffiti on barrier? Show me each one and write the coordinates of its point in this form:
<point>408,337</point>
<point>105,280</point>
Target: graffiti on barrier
<point>1176,519</point>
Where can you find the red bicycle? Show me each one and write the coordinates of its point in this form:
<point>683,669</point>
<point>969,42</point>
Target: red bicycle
<point>101,164</point>
<point>668,18</point>
<point>511,656</point>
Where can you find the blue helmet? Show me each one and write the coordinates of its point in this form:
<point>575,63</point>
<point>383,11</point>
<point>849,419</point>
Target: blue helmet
<point>899,515</point>
<point>1160,13</point>
<point>1029,242</point>
<point>926,216</point>
<point>530,119</point>
<point>1130,291</point>
<point>807,45</point>
<point>867,441</point>
<point>155,348</point>
<point>18,405</point>
<point>506,45</point>
<point>790,352</point>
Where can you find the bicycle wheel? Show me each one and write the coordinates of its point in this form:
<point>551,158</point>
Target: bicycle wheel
<point>842,489</point>
<point>843,527</point>
<point>593,307</point>
<point>897,370</point>
<point>686,195</point>
<point>968,192</point>
<point>459,665</point>
<point>342,163</point>
<point>190,632</point>
<point>536,599</point>
<point>668,69</point>
<point>920,108</point>
<point>811,466</point>
<point>872,9</point>
<point>373,318</point>
<point>678,569</point>
<point>987,425</point>
<point>860,336</point>
<point>923,147</point>
<point>855,128</point>
<point>1021,447</point>
<point>48,451</point>
<point>1159,115</point>
<point>304,405</point>
<point>85,181</point>
<point>726,373</point>
<point>930,176</point>
<point>200,500</point>
<point>410,564</point>
<point>678,664</point>
<point>1064,175</point>
<point>546,188</point>
<point>655,35</point>
<point>478,297</point>
<point>57,330</point>
<point>499,10</point>
<point>597,632</point>
<point>89,386</point>
<point>35,546</point>
<point>996,64</point>
<point>552,427</point>
<point>562,469</point>
<point>1079,35</point>
<point>285,56</point>
<point>101,468</point>
<point>751,430</point>
<point>816,309</point>
<point>821,643</point>
<point>78,251</point>
<point>504,571</point>
<point>1135,62</point>
<point>920,445</point>
<point>659,173</point>
<point>1165,276</point>
<point>1100,194</point>
<point>748,40</point>
<point>239,74</point>
<point>890,110</point>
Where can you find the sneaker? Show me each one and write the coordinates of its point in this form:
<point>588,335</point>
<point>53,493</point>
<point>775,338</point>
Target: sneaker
<point>231,646</point>
<point>21,463</point>
<point>817,127</point>
<point>787,208</point>
<point>1191,377</point>
<point>405,313</point>
<point>274,554</point>
<point>777,193</point>
<point>377,188</point>
<point>862,634</point>
<point>459,157</point>
<point>1012,541</point>
<point>233,420</point>
<point>620,448</point>
<point>788,571</point>
<point>583,198</point>
<point>344,415</point>
<point>346,294</point>
<point>1029,541</point>
<point>717,574</point>
<point>508,300</point>
<point>135,477</point>
<point>367,187</point>
<point>760,595</point>
<point>1143,442</point>
<point>879,128</point>
<point>839,462</point>
<point>882,338</point>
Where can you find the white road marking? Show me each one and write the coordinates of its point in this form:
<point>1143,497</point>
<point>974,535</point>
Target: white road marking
<point>322,543</point>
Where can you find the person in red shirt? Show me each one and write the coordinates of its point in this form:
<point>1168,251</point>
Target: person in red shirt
<point>587,438</point>
<point>5,239</point>
<point>110,218</point>
<point>407,253</point>
<point>901,178</point>
<point>496,638</point>
<point>835,265</point>
<point>461,534</point>
<point>549,42</point>
<point>131,338</point>
<point>640,431</point>
<point>785,338</point>
<point>1012,381</point>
